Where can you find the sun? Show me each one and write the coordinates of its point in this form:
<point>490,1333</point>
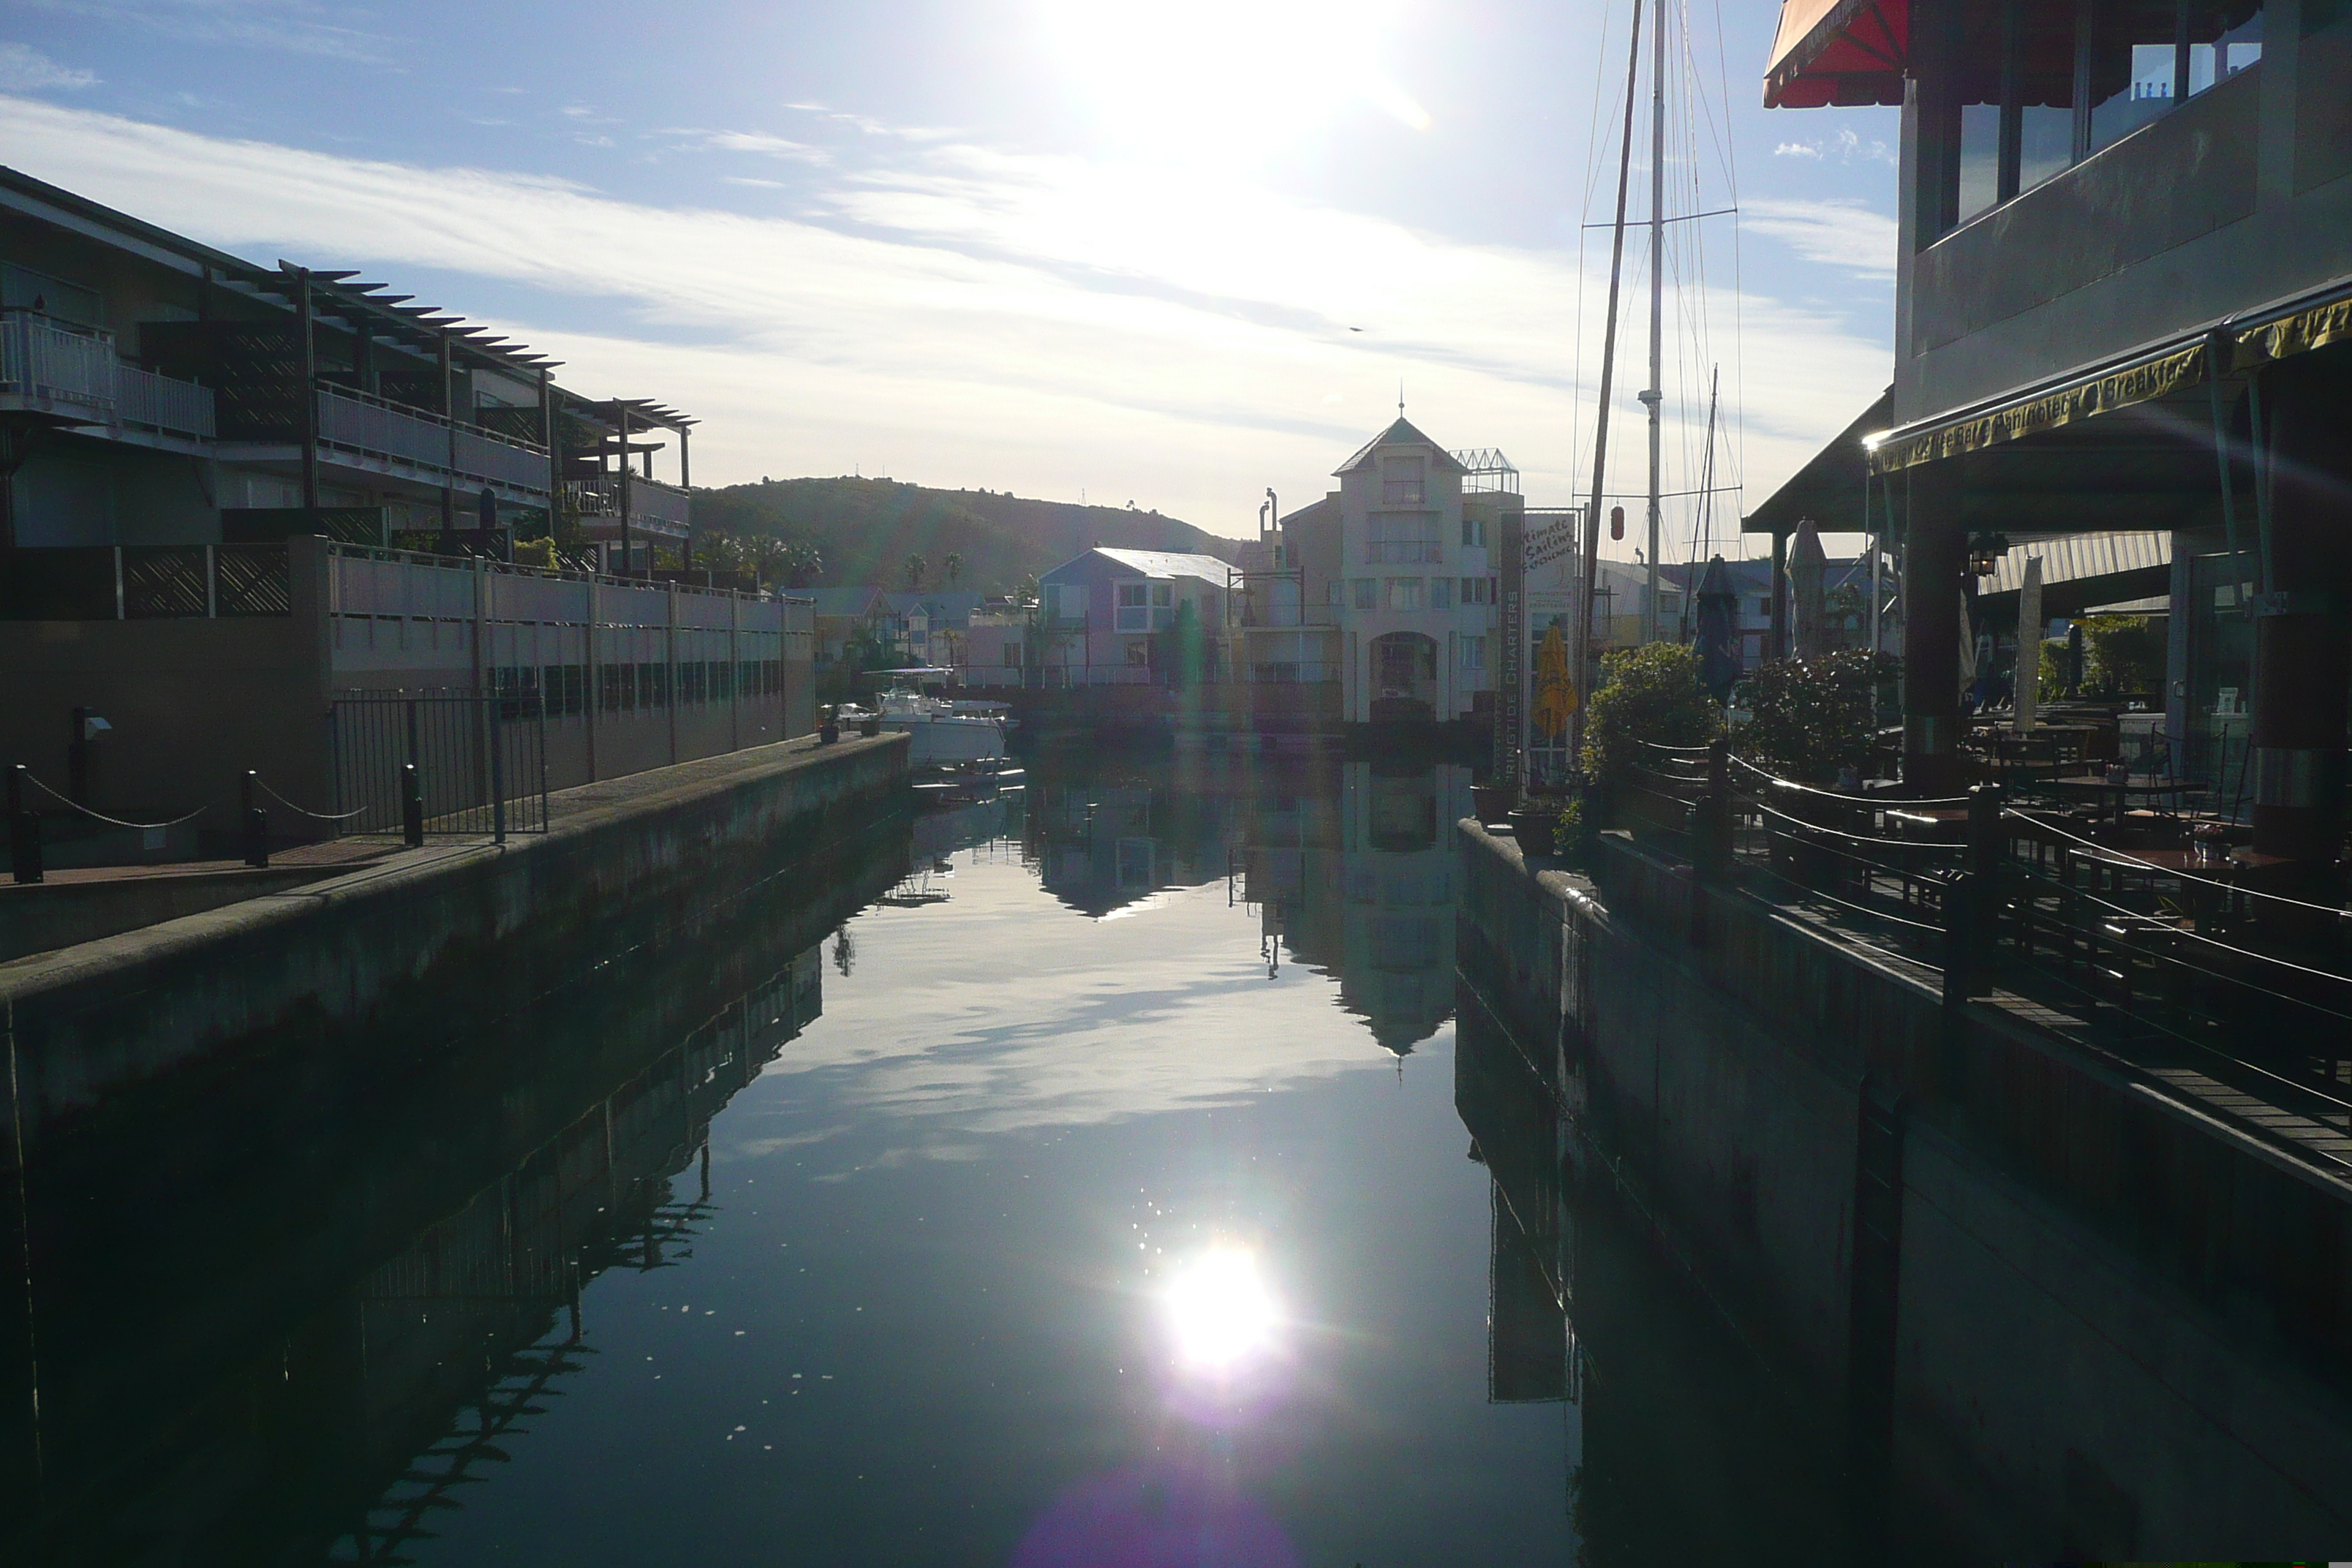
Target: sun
<point>1221,76</point>
<point>1220,1310</point>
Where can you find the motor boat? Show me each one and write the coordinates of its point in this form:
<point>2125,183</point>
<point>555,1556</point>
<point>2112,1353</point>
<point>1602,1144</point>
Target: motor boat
<point>941,735</point>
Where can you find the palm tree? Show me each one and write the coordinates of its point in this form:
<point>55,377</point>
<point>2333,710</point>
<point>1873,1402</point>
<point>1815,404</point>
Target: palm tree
<point>916,567</point>
<point>803,563</point>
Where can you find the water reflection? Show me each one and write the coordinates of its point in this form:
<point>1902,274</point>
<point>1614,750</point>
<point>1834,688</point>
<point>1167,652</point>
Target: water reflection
<point>923,1212</point>
<point>1349,865</point>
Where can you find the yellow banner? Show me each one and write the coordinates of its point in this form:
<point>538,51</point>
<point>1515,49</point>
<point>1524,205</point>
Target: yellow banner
<point>2314,327</point>
<point>2140,383</point>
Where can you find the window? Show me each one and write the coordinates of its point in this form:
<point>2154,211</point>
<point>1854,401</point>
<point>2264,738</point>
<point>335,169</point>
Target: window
<point>1764,607</point>
<point>1401,481</point>
<point>1441,592</point>
<point>1012,656</point>
<point>1163,606</point>
<point>1474,653</point>
<point>1331,592</point>
<point>1138,653</point>
<point>1368,594</point>
<point>2034,91</point>
<point>1134,607</point>
<point>1473,533</point>
<point>1477,590</point>
<point>1404,593</point>
<point>1401,539</point>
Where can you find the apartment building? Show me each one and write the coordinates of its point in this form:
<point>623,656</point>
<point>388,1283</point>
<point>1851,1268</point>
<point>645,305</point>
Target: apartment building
<point>232,497</point>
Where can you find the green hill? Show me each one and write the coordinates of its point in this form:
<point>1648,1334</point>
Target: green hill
<point>866,529</point>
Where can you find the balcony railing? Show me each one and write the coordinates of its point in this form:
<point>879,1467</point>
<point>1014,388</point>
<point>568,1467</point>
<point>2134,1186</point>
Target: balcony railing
<point>161,402</point>
<point>654,507</point>
<point>376,428</point>
<point>55,363</point>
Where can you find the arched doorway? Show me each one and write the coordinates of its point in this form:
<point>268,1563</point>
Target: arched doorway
<point>1404,677</point>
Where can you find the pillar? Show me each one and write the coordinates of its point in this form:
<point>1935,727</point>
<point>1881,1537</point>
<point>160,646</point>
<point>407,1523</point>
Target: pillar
<point>1935,554</point>
<point>2301,667</point>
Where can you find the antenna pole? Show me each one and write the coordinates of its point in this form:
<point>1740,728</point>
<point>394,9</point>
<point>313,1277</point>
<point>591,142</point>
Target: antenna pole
<point>1583,617</point>
<point>1655,396</point>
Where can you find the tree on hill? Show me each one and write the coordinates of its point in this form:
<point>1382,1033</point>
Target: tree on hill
<point>865,529</point>
<point>916,567</point>
<point>953,566</point>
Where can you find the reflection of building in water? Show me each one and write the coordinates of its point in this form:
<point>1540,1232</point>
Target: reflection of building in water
<point>1515,1130</point>
<point>481,1313</point>
<point>1397,890</point>
<point>1101,846</point>
<point>341,1357</point>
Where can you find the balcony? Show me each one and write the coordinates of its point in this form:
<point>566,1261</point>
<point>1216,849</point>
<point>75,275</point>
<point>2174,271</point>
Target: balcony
<point>71,373</point>
<point>443,452</point>
<point>655,509</point>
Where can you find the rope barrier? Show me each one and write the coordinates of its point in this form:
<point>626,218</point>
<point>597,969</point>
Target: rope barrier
<point>1874,801</point>
<point>111,821</point>
<point>300,811</point>
<point>1910,844</point>
<point>2332,911</point>
<point>1862,909</point>
<point>2328,975</point>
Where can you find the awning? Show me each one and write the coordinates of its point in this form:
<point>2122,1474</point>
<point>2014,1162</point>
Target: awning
<point>2275,331</point>
<point>1829,487</point>
<point>1842,52</point>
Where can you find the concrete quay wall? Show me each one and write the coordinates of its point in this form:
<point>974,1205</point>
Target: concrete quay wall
<point>390,953</point>
<point>2118,1324</point>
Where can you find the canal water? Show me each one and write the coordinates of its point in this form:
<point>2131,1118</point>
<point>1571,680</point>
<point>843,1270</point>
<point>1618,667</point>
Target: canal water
<point>1101,1175</point>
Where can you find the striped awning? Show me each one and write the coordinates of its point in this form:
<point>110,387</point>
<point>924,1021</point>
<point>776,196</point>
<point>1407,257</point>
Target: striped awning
<point>2275,331</point>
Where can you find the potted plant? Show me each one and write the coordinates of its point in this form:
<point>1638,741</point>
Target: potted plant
<point>1493,802</point>
<point>1533,824</point>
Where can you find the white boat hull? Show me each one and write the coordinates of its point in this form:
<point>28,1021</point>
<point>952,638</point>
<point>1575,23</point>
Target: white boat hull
<point>942,739</point>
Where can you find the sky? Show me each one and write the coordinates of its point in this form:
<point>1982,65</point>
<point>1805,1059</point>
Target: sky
<point>1099,249</point>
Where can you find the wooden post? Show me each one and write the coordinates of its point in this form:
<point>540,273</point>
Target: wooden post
<point>686,484</point>
<point>1780,594</point>
<point>307,424</point>
<point>449,433</point>
<point>554,457</point>
<point>621,495</point>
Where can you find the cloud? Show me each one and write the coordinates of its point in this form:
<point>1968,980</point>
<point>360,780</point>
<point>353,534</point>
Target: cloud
<point>1836,233</point>
<point>287,26</point>
<point>1033,324</point>
<point>758,142</point>
<point>24,68</point>
<point>1845,146</point>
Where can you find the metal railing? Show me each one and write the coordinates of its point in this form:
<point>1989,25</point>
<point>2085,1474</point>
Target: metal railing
<point>162,403</point>
<point>357,422</point>
<point>58,362</point>
<point>54,361</point>
<point>420,763</point>
<point>651,502</point>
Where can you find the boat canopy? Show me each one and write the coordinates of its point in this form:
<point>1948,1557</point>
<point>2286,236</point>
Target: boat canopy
<point>1837,52</point>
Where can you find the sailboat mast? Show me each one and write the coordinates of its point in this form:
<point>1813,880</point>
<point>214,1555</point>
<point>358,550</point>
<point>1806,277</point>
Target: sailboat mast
<point>1706,534</point>
<point>1583,616</point>
<point>1655,396</point>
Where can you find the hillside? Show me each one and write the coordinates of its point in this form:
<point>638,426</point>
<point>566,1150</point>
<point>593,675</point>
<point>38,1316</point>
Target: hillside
<point>866,529</point>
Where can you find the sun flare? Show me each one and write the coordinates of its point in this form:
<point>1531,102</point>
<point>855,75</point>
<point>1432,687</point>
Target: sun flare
<point>1226,75</point>
<point>1220,1309</point>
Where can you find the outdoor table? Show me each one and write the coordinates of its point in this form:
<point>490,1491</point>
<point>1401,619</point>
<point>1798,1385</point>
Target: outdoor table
<point>2100,787</point>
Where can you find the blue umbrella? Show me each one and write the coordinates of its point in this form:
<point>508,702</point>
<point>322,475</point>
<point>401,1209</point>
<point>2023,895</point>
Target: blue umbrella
<point>1719,629</point>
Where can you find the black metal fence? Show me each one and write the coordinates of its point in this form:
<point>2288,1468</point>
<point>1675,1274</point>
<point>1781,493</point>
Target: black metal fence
<point>418,763</point>
<point>144,582</point>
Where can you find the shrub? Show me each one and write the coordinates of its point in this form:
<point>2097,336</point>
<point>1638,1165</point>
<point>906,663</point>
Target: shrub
<point>540,553</point>
<point>1647,694</point>
<point>2121,654</point>
<point>1809,718</point>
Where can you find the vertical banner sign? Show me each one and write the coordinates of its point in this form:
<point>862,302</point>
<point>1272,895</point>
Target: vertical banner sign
<point>1510,735</point>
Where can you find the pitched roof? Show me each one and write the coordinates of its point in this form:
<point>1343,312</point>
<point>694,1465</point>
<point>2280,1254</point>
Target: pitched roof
<point>1400,434</point>
<point>1156,563</point>
<point>843,601</point>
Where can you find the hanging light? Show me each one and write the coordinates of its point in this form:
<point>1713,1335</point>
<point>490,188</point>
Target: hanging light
<point>1616,523</point>
<point>1985,550</point>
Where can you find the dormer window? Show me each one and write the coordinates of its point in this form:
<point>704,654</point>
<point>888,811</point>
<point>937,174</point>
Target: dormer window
<point>1401,481</point>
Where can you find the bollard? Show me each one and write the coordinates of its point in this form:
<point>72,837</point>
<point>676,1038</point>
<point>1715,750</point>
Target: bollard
<point>412,806</point>
<point>497,777</point>
<point>24,831</point>
<point>1984,880</point>
<point>253,821</point>
<point>1958,940</point>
